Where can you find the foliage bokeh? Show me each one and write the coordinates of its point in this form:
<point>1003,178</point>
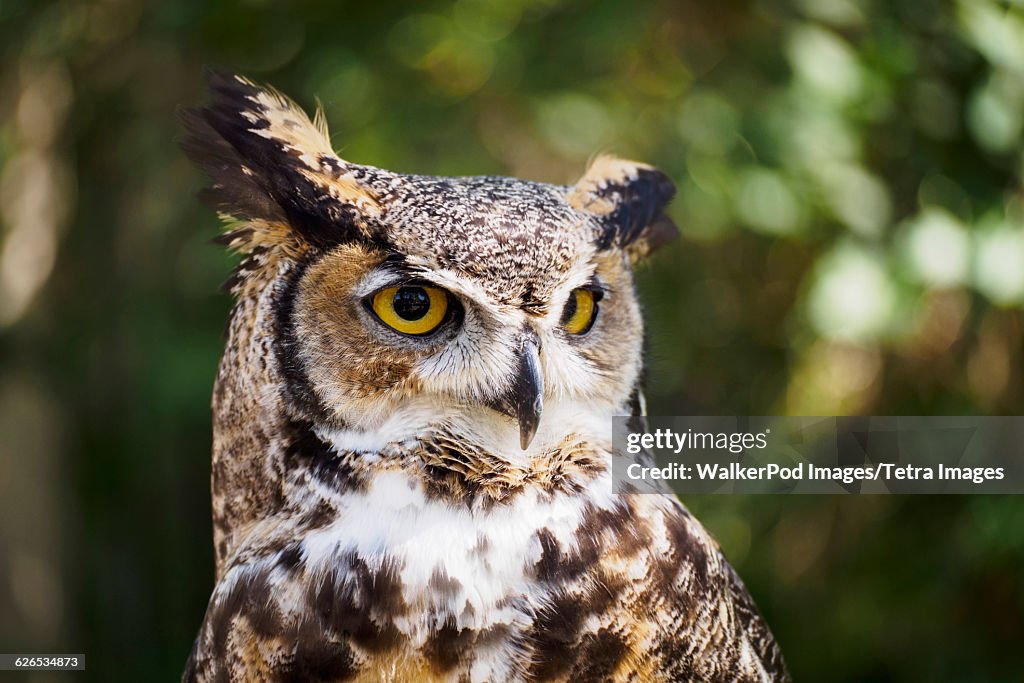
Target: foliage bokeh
<point>850,198</point>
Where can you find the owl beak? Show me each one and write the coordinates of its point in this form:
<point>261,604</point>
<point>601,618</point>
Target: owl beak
<point>529,393</point>
<point>525,400</point>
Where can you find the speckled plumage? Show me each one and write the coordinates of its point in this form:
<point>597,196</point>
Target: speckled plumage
<point>379,515</point>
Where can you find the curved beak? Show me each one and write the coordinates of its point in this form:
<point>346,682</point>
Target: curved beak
<point>525,400</point>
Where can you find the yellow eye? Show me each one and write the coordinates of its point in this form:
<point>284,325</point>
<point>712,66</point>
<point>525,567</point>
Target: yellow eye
<point>581,311</point>
<point>413,309</point>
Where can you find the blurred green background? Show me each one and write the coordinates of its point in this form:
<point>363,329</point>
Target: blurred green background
<point>850,196</point>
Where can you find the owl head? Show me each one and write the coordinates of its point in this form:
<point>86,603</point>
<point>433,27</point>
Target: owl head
<point>498,309</point>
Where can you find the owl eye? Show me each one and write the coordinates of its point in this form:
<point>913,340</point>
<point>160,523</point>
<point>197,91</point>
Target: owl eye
<point>413,309</point>
<point>581,311</point>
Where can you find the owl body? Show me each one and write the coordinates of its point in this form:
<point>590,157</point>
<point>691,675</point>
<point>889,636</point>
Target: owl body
<point>412,428</point>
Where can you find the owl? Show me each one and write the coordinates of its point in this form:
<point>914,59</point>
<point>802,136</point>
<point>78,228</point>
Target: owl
<point>412,427</point>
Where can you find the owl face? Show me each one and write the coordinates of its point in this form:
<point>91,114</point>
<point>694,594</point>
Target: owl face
<point>499,309</point>
<point>492,303</point>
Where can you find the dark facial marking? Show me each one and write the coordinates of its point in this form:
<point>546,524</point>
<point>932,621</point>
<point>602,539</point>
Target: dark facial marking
<point>297,384</point>
<point>319,459</point>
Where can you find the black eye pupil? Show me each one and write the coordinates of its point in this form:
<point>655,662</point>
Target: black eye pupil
<point>570,308</point>
<point>411,303</point>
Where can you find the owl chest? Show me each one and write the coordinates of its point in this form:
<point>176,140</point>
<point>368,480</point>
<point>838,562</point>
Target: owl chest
<point>424,567</point>
<point>447,561</point>
<point>400,585</point>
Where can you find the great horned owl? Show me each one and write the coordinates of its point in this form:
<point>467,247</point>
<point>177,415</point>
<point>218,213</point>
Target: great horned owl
<point>412,427</point>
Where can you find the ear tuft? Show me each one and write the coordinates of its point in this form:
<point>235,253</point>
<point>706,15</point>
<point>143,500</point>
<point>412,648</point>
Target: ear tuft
<point>629,199</point>
<point>274,169</point>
